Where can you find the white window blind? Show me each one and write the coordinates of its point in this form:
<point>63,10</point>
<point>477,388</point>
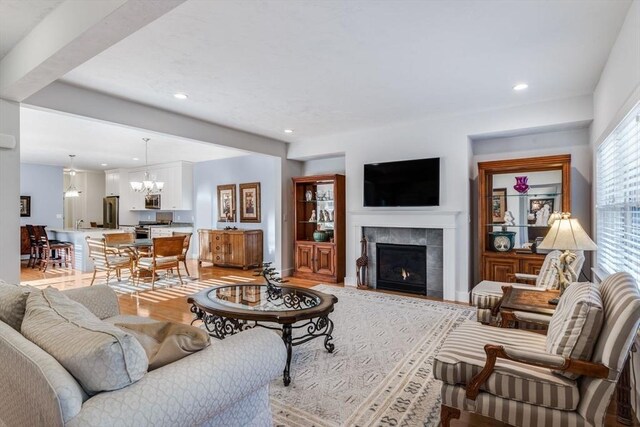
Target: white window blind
<point>618,198</point>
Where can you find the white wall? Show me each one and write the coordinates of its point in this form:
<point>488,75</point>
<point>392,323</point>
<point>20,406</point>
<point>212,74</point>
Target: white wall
<point>327,165</point>
<point>616,93</point>
<point>238,170</point>
<point>44,184</point>
<point>444,137</point>
<point>88,206</point>
<point>10,194</point>
<point>619,86</point>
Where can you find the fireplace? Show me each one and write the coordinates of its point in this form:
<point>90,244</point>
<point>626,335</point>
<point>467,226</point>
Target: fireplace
<point>401,268</point>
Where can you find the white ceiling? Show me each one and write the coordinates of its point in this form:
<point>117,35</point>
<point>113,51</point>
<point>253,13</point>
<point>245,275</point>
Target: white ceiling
<point>48,137</point>
<point>18,17</point>
<point>323,67</point>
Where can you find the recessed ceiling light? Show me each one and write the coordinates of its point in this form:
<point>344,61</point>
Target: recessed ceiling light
<point>180,95</point>
<point>103,164</point>
<point>136,159</point>
<point>520,86</point>
<point>288,131</point>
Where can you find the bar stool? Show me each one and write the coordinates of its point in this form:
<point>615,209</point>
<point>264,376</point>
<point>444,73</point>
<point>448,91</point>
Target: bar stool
<point>53,251</point>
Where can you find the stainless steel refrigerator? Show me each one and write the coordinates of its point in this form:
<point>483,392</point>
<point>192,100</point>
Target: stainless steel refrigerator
<point>110,212</point>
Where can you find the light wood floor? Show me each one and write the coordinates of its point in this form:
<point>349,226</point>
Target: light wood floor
<point>177,310</point>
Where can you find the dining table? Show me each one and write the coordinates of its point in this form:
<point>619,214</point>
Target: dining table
<point>134,248</point>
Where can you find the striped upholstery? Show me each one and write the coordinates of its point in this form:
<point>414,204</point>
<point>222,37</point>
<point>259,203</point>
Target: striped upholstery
<point>621,301</point>
<point>462,356</point>
<point>510,411</point>
<point>576,323</point>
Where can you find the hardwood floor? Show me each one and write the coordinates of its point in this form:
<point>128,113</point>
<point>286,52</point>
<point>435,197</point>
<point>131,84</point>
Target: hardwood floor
<point>176,309</point>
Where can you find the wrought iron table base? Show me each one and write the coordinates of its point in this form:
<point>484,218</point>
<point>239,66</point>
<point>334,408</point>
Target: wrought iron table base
<point>220,327</point>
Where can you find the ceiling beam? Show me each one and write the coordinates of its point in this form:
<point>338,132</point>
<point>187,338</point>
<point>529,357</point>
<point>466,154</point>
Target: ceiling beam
<point>71,34</point>
<point>83,102</point>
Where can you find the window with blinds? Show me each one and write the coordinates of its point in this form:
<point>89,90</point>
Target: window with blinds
<point>618,198</point>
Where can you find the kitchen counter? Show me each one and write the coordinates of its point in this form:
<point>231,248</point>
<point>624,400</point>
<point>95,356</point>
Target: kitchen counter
<point>78,237</point>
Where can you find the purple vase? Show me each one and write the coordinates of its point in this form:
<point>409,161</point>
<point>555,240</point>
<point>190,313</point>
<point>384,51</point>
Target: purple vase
<point>521,184</point>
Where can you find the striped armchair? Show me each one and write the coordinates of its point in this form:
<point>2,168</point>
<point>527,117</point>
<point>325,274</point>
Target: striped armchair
<point>526,379</point>
<point>487,294</point>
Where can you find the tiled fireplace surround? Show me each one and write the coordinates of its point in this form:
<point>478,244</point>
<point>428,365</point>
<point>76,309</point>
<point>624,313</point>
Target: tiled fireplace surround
<point>429,237</point>
<point>443,225</point>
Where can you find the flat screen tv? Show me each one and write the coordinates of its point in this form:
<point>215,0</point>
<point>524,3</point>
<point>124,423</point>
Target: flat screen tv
<point>404,183</point>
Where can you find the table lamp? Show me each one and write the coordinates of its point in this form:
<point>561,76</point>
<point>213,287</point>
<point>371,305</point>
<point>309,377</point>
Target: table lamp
<point>567,235</point>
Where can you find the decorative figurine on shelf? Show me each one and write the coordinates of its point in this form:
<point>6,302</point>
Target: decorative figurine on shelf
<point>308,195</point>
<point>509,219</point>
<point>313,217</point>
<point>362,265</point>
<point>321,217</point>
<point>273,279</point>
<point>228,214</point>
<point>329,215</point>
<point>521,184</point>
<point>542,216</point>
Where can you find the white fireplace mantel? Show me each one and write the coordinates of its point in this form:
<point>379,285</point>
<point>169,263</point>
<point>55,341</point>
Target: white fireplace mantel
<point>445,220</point>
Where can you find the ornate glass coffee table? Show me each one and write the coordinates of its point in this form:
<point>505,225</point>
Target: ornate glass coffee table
<point>227,310</point>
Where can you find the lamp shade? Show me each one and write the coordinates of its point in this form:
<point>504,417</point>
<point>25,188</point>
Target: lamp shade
<point>567,234</point>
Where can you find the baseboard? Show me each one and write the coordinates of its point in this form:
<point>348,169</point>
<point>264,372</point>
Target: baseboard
<point>350,281</point>
<point>286,272</point>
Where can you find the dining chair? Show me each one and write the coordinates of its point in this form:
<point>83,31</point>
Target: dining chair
<point>53,251</point>
<point>107,261</point>
<point>165,253</point>
<point>35,247</point>
<point>187,242</point>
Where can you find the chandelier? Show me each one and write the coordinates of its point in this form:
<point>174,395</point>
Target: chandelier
<point>149,184</point>
<point>71,191</point>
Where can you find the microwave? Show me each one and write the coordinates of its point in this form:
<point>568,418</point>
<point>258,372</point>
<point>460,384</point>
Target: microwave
<point>152,201</point>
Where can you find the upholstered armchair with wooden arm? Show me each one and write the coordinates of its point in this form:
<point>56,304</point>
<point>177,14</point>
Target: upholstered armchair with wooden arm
<point>185,251</point>
<point>566,378</point>
<point>487,294</point>
<point>103,260</point>
<point>166,251</point>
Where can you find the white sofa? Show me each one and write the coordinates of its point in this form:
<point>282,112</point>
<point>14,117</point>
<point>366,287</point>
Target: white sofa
<point>226,384</point>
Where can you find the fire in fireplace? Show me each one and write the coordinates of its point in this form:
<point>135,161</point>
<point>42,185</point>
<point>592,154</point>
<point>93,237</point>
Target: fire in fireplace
<point>401,268</point>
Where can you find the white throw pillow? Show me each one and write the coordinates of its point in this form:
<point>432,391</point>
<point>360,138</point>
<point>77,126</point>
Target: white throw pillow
<point>99,355</point>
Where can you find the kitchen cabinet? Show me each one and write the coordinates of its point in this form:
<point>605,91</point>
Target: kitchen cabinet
<point>112,182</point>
<point>177,194</point>
<point>230,248</point>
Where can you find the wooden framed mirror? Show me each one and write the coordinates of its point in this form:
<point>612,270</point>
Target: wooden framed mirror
<point>516,199</point>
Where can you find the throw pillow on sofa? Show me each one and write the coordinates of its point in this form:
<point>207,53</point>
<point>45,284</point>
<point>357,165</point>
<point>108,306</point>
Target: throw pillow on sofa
<point>166,342</point>
<point>99,355</point>
<point>13,300</point>
<point>576,323</point>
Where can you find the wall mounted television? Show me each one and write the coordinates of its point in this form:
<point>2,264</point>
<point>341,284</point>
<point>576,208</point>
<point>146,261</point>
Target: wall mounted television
<point>403,183</point>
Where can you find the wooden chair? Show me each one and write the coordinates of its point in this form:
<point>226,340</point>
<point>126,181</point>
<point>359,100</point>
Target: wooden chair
<point>112,239</point>
<point>187,242</point>
<point>165,253</point>
<point>35,247</point>
<point>107,261</point>
<point>54,251</point>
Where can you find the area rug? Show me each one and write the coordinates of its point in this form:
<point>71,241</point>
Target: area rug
<point>381,370</point>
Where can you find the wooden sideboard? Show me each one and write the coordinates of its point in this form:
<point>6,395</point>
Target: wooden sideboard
<point>230,248</point>
<point>25,243</point>
<point>502,267</point>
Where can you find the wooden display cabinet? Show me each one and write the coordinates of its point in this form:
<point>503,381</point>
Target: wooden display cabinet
<point>323,195</point>
<point>230,248</point>
<point>493,178</point>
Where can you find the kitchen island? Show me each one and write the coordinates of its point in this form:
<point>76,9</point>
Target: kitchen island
<point>78,237</point>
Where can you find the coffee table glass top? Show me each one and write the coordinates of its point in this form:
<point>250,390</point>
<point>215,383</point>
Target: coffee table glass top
<point>258,298</point>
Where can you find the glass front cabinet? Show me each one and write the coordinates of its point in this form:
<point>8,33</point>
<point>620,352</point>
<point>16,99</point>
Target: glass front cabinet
<point>516,200</point>
<point>319,227</point>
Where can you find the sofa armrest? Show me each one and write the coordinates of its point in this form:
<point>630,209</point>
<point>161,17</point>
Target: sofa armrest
<point>101,300</point>
<point>538,319</point>
<point>194,389</point>
<point>543,360</point>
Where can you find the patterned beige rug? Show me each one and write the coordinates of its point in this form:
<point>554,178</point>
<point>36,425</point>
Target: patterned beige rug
<point>380,372</point>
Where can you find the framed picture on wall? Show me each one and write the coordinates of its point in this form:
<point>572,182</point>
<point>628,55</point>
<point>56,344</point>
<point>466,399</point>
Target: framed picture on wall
<point>227,202</point>
<point>498,205</point>
<point>250,202</point>
<point>25,206</point>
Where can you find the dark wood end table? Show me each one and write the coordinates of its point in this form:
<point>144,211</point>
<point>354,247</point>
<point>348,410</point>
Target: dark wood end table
<point>530,301</point>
